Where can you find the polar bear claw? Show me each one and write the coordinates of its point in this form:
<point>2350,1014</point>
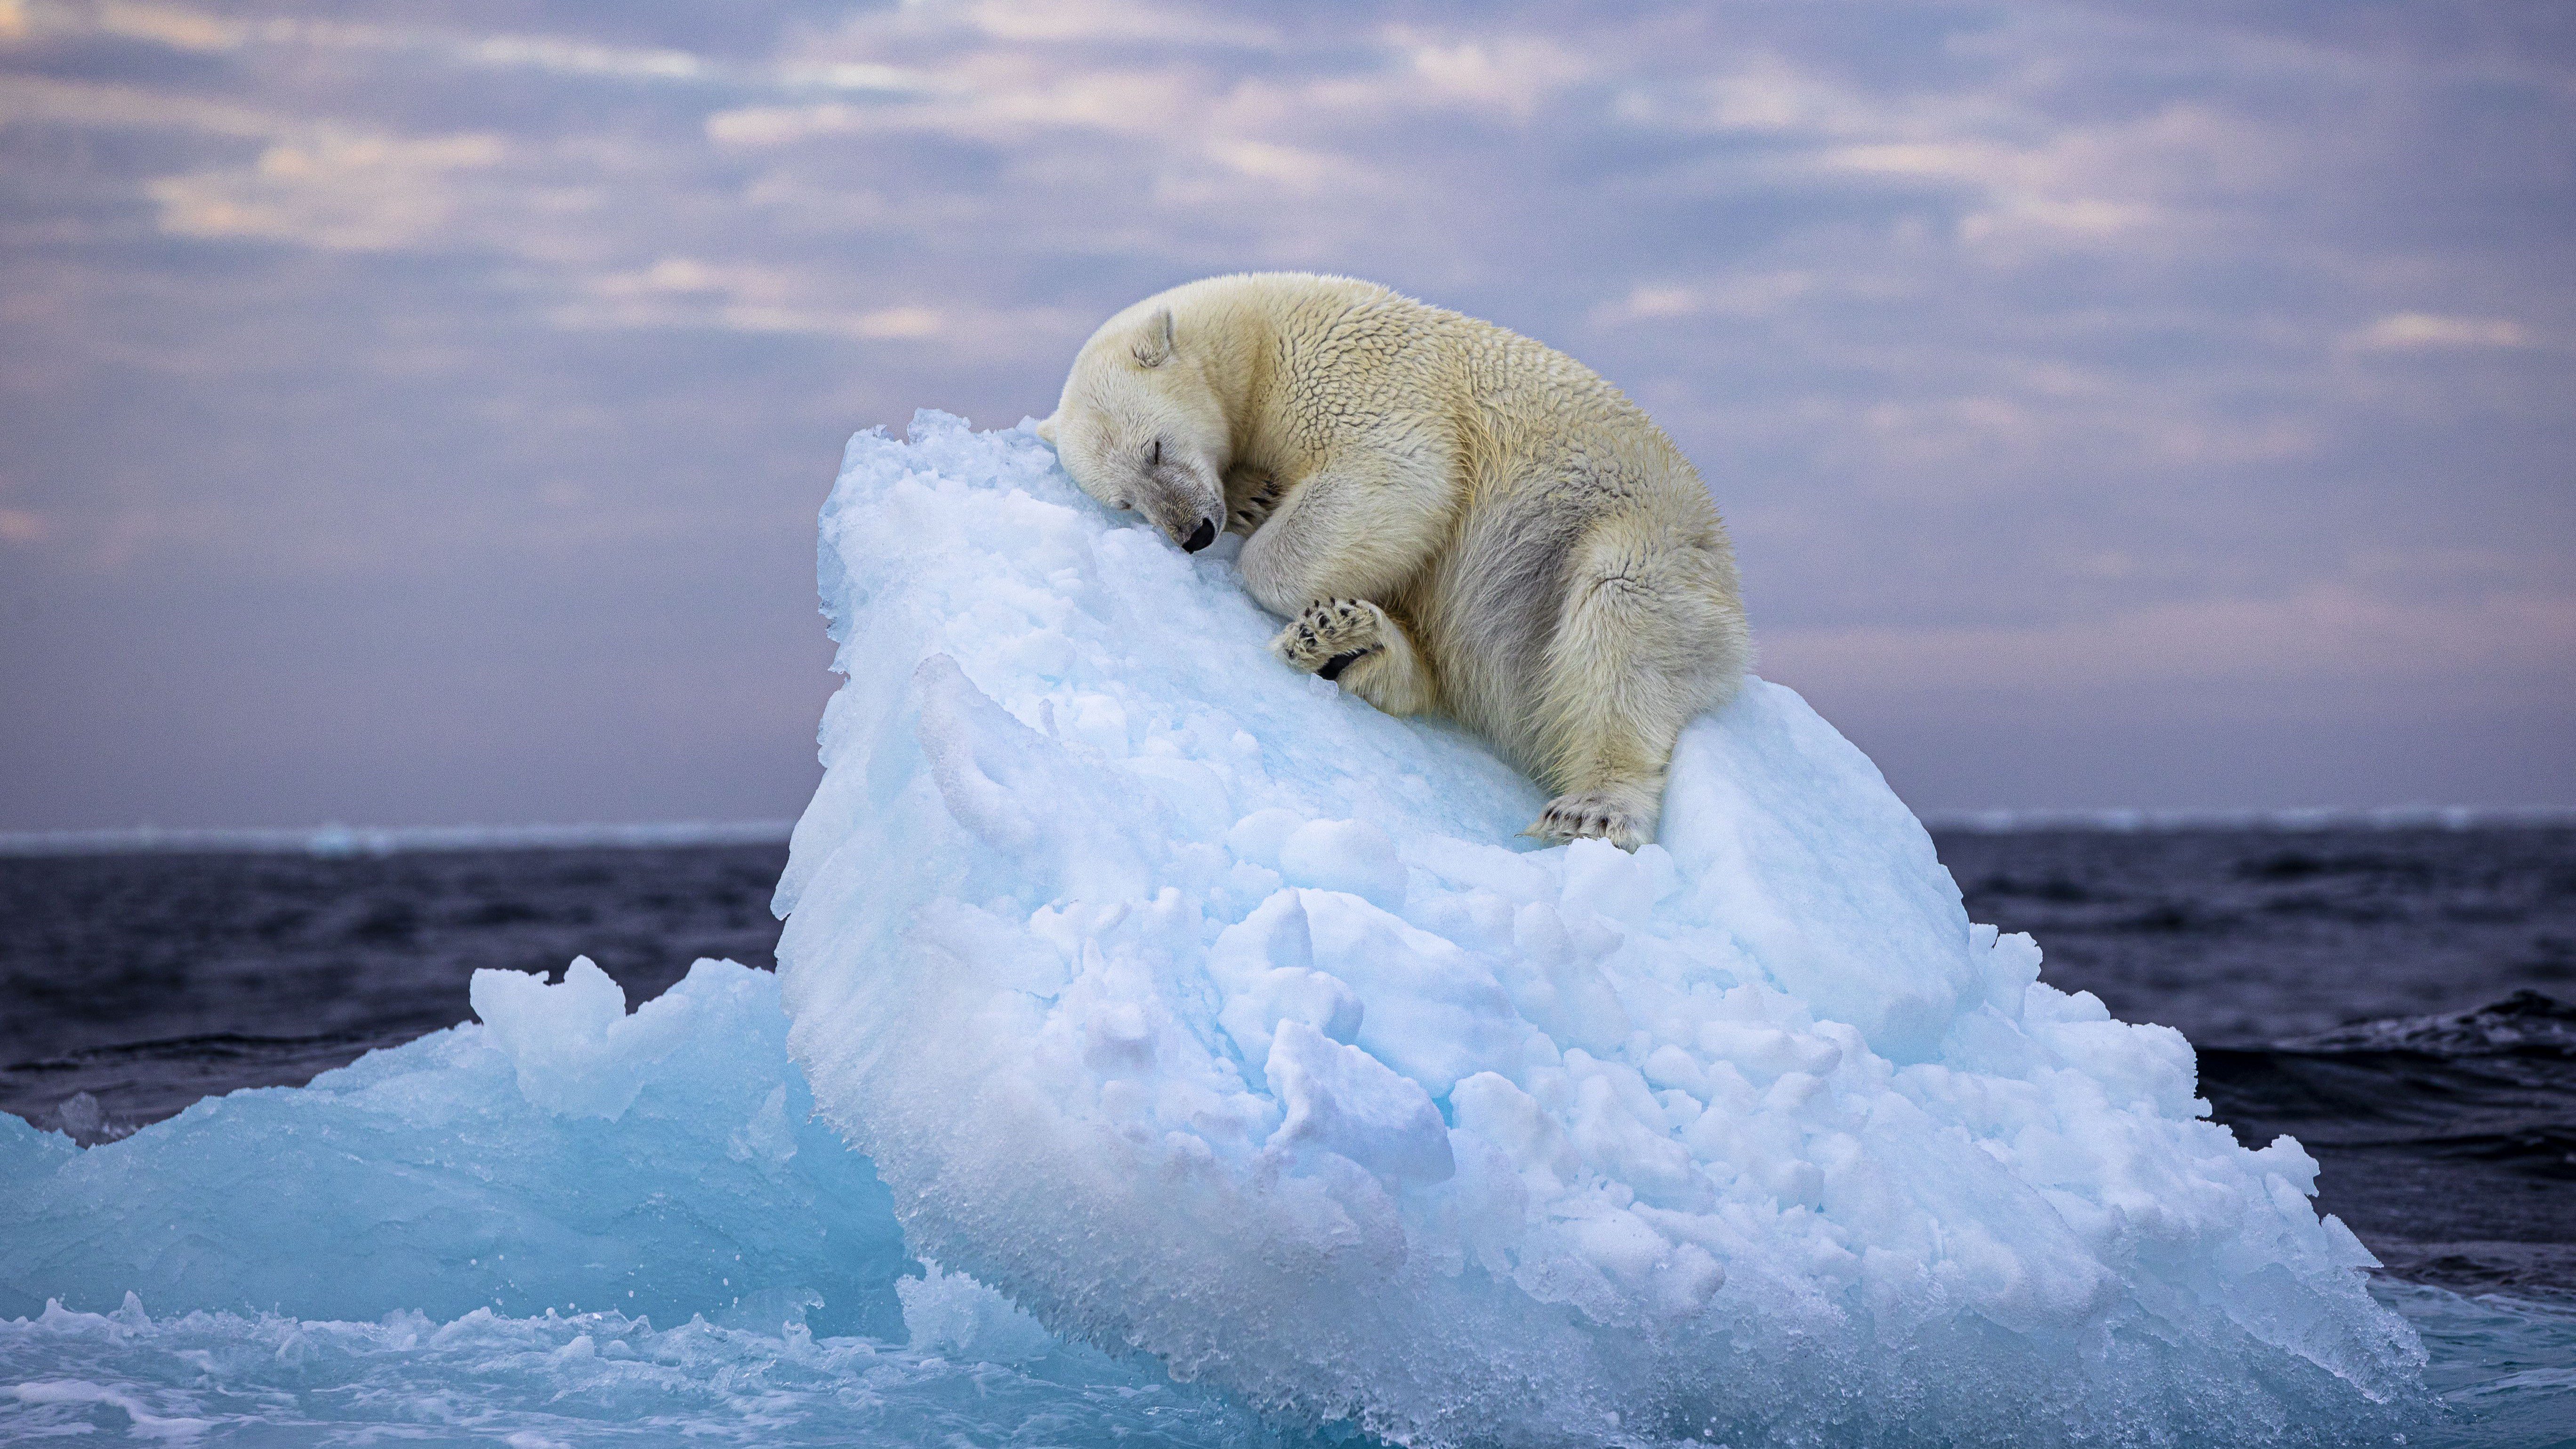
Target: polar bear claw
<point>1332,635</point>
<point>1591,814</point>
<point>1252,495</point>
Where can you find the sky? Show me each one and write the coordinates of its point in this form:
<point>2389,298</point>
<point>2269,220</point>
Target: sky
<point>415,413</point>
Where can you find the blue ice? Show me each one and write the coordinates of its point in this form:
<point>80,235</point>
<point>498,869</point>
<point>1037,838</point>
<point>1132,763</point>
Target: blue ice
<point>525,1164</point>
<point>561,1223</point>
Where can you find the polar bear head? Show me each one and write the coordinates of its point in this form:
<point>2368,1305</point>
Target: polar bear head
<point>1141,428</point>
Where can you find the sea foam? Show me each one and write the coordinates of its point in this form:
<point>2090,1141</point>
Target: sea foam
<point>1213,1015</point>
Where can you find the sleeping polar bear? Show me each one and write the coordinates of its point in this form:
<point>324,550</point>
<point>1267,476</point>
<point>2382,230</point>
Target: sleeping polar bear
<point>1454,517</point>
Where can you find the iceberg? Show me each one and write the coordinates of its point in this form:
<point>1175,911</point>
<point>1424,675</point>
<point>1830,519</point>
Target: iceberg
<point>1212,1016</point>
<point>561,1155</point>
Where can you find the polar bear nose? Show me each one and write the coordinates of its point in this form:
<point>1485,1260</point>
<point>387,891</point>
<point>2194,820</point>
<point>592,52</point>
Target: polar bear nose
<point>1201,537</point>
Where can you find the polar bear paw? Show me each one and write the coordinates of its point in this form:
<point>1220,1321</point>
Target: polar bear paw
<point>1256,494</point>
<point>1332,635</point>
<point>1593,814</point>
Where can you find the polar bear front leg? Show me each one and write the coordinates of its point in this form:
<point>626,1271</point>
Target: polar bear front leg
<point>1359,646</point>
<point>1251,496</point>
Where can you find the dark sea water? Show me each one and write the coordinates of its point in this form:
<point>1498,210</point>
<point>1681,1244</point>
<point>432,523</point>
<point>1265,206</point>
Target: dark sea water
<point>2398,1000</point>
<point>149,980</point>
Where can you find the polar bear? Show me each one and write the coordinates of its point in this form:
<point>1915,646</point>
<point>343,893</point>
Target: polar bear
<point>1453,517</point>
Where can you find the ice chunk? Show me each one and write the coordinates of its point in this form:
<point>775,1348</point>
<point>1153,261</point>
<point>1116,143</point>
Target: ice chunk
<point>1150,974</point>
<point>1345,855</point>
<point>574,1047</point>
<point>1340,1099</point>
<point>952,1314</point>
<point>563,1155</point>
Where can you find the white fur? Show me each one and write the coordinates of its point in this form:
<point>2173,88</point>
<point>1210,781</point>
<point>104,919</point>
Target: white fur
<point>1454,518</point>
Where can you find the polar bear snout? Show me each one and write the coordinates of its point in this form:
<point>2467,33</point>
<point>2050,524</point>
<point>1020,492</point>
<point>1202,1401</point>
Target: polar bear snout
<point>1188,509</point>
<point>1187,524</point>
<point>1186,520</point>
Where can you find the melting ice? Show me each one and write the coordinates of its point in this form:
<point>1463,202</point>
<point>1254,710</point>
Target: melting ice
<point>1222,1022</point>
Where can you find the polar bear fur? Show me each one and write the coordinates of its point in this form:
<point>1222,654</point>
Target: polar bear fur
<point>1453,517</point>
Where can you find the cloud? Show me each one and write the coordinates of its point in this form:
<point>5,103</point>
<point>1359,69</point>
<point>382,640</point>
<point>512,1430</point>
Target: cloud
<point>197,31</point>
<point>1515,75</point>
<point>2331,633</point>
<point>1758,295</point>
<point>1116,22</point>
<point>337,192</point>
<point>685,293</point>
<point>2411,331</point>
<point>678,292</point>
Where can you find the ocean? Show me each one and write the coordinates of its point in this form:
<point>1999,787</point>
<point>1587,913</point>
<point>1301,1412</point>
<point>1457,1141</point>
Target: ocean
<point>2396,999</point>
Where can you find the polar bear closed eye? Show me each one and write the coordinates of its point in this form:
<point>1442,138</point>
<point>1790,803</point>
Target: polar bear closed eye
<point>1452,517</point>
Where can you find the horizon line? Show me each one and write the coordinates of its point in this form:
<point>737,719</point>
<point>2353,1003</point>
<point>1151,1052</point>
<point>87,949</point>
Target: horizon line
<point>336,840</point>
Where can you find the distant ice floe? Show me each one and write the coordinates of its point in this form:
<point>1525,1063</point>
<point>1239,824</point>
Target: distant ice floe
<point>1212,1015</point>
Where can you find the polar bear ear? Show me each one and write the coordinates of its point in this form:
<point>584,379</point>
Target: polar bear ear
<point>1154,348</point>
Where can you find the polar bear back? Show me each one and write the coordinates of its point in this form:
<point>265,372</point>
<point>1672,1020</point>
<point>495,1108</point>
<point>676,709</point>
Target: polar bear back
<point>1343,360</point>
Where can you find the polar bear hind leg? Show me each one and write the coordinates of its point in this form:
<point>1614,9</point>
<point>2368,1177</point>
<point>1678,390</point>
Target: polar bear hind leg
<point>1649,637</point>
